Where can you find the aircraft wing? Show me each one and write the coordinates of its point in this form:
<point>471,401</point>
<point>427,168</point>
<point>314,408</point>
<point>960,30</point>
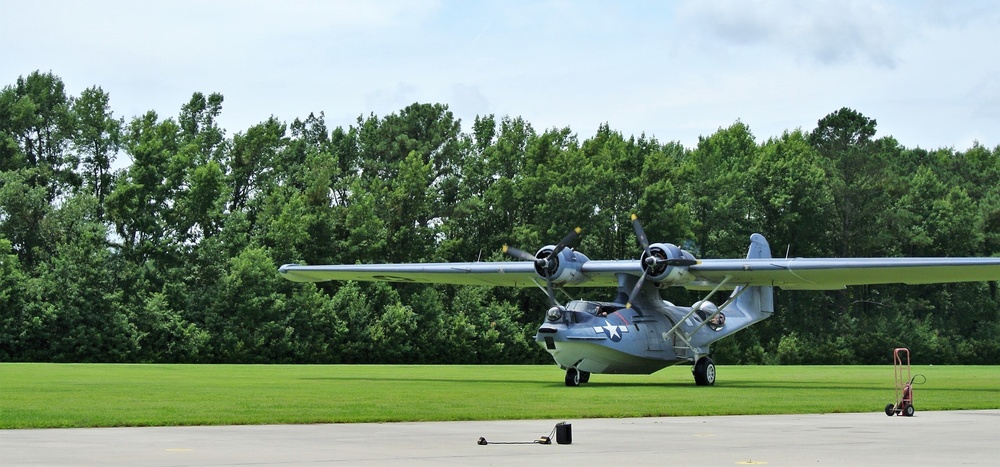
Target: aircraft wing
<point>497,273</point>
<point>794,273</point>
<point>510,273</point>
<point>837,273</point>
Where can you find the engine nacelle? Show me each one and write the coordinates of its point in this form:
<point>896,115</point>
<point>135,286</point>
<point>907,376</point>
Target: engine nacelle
<point>565,268</point>
<point>663,273</point>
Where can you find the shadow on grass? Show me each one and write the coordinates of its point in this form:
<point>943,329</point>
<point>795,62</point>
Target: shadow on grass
<point>546,383</point>
<point>597,381</point>
<point>427,380</point>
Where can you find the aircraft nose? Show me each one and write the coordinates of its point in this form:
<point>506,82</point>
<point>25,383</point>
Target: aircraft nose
<point>546,336</point>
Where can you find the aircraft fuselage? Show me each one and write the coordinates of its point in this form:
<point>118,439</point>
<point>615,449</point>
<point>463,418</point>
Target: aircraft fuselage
<point>601,337</point>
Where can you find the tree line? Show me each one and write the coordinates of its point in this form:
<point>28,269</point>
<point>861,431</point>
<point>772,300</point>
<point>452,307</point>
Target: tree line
<point>173,258</point>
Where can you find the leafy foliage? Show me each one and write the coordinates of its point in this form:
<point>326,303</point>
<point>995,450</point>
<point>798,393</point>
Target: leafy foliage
<point>173,257</point>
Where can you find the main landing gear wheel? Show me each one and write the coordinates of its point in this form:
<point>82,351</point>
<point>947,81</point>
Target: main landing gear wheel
<point>572,377</point>
<point>704,372</point>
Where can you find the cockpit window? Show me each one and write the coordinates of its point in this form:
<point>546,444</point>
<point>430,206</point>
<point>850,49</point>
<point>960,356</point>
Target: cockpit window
<point>593,308</point>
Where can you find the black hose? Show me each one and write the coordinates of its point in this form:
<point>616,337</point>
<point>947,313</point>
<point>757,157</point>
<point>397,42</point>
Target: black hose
<point>542,440</point>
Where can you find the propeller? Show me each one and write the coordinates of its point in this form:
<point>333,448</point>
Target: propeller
<point>651,261</point>
<point>640,234</point>
<point>546,264</point>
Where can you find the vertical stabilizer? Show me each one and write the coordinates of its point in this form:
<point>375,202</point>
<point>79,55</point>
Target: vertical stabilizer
<point>752,304</point>
<point>757,299</point>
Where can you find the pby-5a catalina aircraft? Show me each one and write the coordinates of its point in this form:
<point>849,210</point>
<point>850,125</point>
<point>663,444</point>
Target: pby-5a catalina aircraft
<point>638,332</point>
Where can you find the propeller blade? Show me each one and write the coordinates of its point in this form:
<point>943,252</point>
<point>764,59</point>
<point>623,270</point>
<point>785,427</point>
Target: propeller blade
<point>551,292</point>
<point>654,261</point>
<point>680,262</point>
<point>635,290</point>
<point>519,253</point>
<point>566,240</point>
<point>640,234</point>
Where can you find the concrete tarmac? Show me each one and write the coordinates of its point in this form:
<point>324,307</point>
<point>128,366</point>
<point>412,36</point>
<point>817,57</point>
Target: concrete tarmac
<point>928,438</point>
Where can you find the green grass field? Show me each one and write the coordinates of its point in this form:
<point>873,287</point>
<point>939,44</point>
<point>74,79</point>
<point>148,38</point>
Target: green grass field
<point>98,395</point>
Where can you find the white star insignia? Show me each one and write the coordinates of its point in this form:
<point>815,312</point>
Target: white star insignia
<point>612,330</point>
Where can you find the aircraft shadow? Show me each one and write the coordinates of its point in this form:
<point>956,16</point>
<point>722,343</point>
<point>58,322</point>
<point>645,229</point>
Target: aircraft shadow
<point>796,385</point>
<point>425,380</point>
<point>531,382</point>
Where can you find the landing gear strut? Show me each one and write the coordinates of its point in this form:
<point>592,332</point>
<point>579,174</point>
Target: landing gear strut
<point>704,372</point>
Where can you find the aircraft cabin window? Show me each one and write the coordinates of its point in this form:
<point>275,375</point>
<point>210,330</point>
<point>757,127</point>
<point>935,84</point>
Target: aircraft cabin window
<point>717,322</point>
<point>593,308</point>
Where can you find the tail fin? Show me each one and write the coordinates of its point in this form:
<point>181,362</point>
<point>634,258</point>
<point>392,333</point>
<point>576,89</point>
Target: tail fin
<point>760,298</point>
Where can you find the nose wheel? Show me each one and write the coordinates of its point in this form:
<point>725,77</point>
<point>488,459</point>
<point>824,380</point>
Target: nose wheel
<point>576,377</point>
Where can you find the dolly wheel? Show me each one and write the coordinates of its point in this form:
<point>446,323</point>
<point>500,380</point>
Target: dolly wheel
<point>890,409</point>
<point>908,411</point>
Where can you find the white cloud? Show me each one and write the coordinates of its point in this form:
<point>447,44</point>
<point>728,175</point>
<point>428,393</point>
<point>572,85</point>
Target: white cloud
<point>673,70</point>
<point>824,31</point>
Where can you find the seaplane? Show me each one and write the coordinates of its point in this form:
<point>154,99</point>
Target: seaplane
<point>637,331</point>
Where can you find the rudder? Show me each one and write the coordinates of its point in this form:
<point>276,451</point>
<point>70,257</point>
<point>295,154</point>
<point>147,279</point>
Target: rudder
<point>758,298</point>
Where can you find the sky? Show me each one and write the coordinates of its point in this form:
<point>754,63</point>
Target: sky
<point>926,71</point>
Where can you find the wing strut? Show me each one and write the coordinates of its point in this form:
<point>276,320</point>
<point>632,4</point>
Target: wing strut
<point>717,312</point>
<point>545,289</point>
<point>695,309</point>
